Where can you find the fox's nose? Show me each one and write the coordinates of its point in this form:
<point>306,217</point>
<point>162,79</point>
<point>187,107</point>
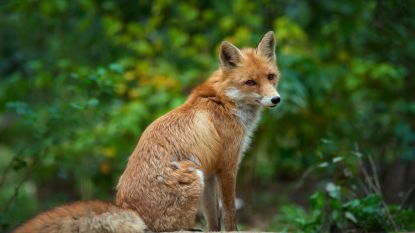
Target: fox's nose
<point>275,99</point>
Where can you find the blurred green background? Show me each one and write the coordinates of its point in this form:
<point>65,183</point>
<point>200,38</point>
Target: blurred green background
<point>80,81</point>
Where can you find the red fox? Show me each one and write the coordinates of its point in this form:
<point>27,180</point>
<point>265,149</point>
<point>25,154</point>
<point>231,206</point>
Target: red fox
<point>211,131</point>
<point>101,217</point>
<point>185,156</point>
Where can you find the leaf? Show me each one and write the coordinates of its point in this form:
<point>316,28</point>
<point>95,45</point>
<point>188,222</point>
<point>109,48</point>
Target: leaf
<point>323,165</point>
<point>333,190</point>
<point>350,216</point>
<point>18,164</point>
<point>337,159</point>
<point>93,102</point>
<point>117,68</point>
<point>77,106</point>
<point>317,200</point>
<point>21,108</point>
<point>352,204</point>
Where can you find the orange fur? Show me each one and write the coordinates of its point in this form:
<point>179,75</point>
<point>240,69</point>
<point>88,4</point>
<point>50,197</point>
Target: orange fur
<point>99,217</point>
<point>211,130</point>
<point>83,217</point>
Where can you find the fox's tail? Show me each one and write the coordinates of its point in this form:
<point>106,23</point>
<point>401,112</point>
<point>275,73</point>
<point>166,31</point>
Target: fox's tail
<point>83,217</point>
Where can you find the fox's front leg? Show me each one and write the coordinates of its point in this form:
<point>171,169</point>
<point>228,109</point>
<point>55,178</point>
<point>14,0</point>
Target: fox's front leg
<point>228,186</point>
<point>211,204</point>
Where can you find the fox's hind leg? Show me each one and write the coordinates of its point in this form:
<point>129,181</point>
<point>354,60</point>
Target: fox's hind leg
<point>185,181</point>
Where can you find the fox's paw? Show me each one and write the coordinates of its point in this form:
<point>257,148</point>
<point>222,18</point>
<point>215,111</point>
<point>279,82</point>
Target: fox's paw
<point>182,172</point>
<point>187,171</point>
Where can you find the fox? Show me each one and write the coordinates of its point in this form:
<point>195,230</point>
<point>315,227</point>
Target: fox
<point>210,131</point>
<point>103,217</point>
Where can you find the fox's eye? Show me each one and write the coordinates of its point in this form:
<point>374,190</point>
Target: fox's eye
<point>250,82</point>
<point>271,76</point>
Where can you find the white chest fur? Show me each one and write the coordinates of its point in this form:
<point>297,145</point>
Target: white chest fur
<point>249,116</point>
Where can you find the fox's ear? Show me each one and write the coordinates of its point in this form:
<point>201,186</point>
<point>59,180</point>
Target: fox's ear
<point>266,48</point>
<point>229,55</point>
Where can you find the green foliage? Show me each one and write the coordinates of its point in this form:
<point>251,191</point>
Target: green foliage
<point>349,198</point>
<point>366,213</point>
<point>80,81</point>
<point>330,212</point>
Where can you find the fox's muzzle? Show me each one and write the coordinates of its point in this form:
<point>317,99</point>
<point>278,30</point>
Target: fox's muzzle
<point>275,99</point>
<point>269,102</point>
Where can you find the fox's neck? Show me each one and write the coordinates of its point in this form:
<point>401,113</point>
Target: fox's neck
<point>248,114</point>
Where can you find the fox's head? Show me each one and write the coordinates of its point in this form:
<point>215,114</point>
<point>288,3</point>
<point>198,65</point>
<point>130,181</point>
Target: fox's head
<point>250,76</point>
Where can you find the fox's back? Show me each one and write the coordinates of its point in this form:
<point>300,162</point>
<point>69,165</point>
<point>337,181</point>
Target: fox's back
<point>188,132</point>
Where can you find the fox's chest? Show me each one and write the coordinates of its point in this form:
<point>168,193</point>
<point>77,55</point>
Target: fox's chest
<point>248,116</point>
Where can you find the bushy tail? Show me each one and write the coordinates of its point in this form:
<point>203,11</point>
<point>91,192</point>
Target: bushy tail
<point>80,217</point>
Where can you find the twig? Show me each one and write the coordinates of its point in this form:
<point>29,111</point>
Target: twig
<point>8,167</point>
<point>305,174</point>
<point>406,196</point>
<point>5,172</point>
<point>22,181</point>
<point>362,184</point>
<point>375,174</point>
<point>367,177</point>
<point>374,183</point>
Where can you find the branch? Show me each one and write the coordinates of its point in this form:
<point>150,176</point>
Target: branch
<point>23,180</point>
